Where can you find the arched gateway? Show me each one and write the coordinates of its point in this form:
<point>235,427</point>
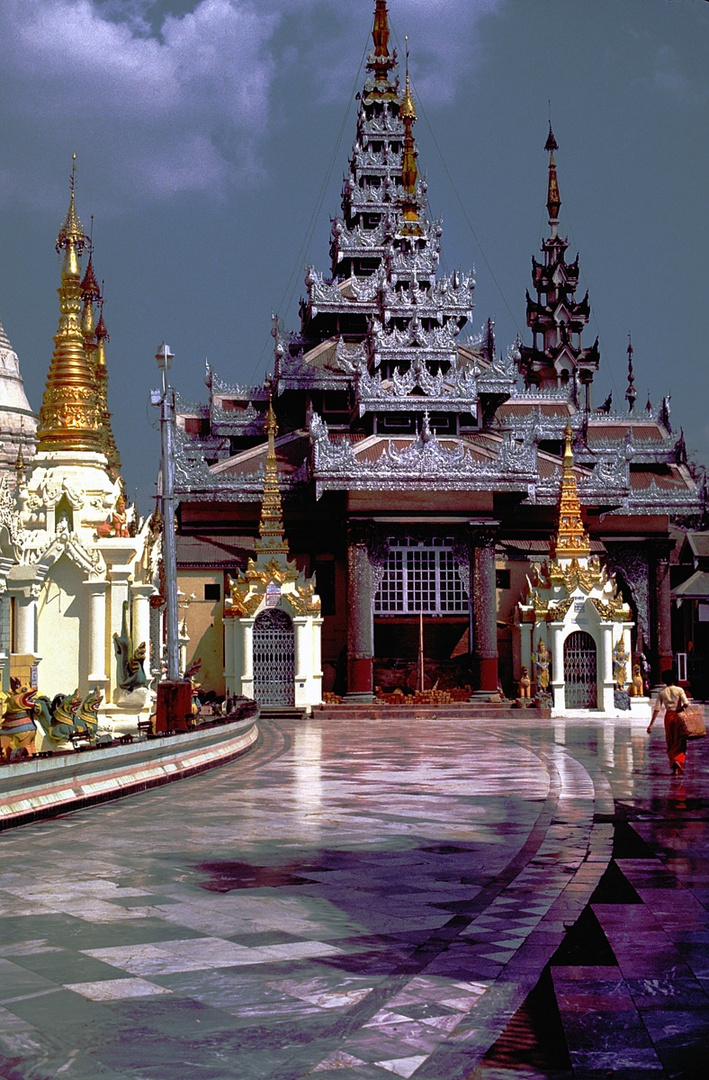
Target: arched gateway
<point>580,671</point>
<point>274,658</point>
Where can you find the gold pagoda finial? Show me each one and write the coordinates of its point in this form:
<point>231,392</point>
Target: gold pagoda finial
<point>407,105</point>
<point>553,196</point>
<point>409,170</point>
<point>108,441</point>
<point>271,539</point>
<point>571,540</point>
<point>69,418</point>
<point>90,294</point>
<point>380,30</point>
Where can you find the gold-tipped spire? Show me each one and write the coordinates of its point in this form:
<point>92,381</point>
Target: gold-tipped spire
<point>69,417</point>
<point>553,196</point>
<point>381,61</point>
<point>108,441</point>
<point>90,294</point>
<point>271,538</point>
<point>571,540</point>
<point>409,170</point>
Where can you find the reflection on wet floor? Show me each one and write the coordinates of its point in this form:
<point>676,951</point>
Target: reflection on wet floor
<point>462,899</point>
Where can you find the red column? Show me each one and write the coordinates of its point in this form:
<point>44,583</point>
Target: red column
<point>484,602</point>
<point>360,621</point>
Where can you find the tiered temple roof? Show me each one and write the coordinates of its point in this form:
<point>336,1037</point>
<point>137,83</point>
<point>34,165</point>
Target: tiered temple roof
<point>380,389</point>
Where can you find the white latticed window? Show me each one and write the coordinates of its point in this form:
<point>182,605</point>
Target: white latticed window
<point>421,576</point>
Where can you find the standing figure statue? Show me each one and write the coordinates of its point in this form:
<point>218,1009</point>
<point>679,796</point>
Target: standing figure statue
<point>542,661</point>
<point>620,664</point>
<point>525,684</point>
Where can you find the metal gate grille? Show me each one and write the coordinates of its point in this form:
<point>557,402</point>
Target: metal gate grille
<point>580,671</point>
<point>274,659</point>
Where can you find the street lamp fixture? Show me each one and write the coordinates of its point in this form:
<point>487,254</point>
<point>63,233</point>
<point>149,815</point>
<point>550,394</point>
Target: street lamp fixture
<point>166,401</point>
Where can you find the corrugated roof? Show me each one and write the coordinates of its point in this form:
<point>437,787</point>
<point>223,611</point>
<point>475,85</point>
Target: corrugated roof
<point>541,547</point>
<point>213,551</point>
<point>616,432</point>
<point>290,452</point>
<point>694,588</point>
<point>699,543</point>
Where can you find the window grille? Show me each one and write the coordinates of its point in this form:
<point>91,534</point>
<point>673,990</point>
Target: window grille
<point>421,576</point>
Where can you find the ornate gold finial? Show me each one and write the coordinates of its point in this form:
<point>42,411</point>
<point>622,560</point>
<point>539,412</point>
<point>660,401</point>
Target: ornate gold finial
<point>571,541</point>
<point>69,418</point>
<point>270,527</point>
<point>407,105</point>
<point>380,31</point>
<point>90,294</point>
<point>409,170</point>
<point>108,442</point>
<point>553,196</point>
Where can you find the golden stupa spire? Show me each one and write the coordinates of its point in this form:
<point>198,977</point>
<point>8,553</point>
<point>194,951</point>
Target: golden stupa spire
<point>571,540</point>
<point>108,442</point>
<point>409,170</point>
<point>272,541</point>
<point>69,418</point>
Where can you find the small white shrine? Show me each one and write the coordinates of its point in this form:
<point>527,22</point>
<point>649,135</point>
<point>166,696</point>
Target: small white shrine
<point>77,576</point>
<point>572,633</point>
<point>272,621</point>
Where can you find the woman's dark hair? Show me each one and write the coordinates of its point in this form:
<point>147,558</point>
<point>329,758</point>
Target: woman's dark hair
<point>669,677</point>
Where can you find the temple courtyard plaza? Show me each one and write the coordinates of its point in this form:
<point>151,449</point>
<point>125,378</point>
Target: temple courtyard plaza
<point>446,900</point>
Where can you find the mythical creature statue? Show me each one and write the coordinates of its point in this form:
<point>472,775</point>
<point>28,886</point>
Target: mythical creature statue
<point>17,728</point>
<point>87,716</point>
<point>130,673</point>
<point>57,732</point>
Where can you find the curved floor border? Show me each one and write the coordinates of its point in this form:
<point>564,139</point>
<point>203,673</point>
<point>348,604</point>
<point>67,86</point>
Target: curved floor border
<point>45,787</point>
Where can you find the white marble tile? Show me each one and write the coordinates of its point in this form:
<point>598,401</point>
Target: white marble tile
<point>117,989</point>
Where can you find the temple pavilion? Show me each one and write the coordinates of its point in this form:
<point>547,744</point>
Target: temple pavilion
<point>419,464</point>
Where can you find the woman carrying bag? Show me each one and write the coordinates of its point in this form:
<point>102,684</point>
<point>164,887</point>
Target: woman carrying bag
<point>674,699</point>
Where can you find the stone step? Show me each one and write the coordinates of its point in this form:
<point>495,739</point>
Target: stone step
<point>281,712</point>
<point>468,710</point>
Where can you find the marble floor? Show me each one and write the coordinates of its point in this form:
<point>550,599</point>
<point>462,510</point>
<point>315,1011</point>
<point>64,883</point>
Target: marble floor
<point>462,900</point>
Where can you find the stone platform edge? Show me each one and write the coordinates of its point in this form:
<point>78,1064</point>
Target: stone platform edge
<point>45,787</point>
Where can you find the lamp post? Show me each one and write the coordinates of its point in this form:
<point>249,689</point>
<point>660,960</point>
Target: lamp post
<point>166,401</point>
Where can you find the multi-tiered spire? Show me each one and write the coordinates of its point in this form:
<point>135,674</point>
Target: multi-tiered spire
<point>69,418</point>
<point>271,537</point>
<point>384,294</point>
<point>571,540</point>
<point>556,318</point>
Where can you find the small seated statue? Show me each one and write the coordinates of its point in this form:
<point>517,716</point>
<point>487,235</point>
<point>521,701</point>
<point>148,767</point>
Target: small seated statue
<point>117,524</point>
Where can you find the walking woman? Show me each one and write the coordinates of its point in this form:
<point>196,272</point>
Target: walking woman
<point>671,697</point>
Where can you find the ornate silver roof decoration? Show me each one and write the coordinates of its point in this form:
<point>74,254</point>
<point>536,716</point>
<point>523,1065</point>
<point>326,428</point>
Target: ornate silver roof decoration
<point>234,390</point>
<point>455,390</point>
<point>425,460</point>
